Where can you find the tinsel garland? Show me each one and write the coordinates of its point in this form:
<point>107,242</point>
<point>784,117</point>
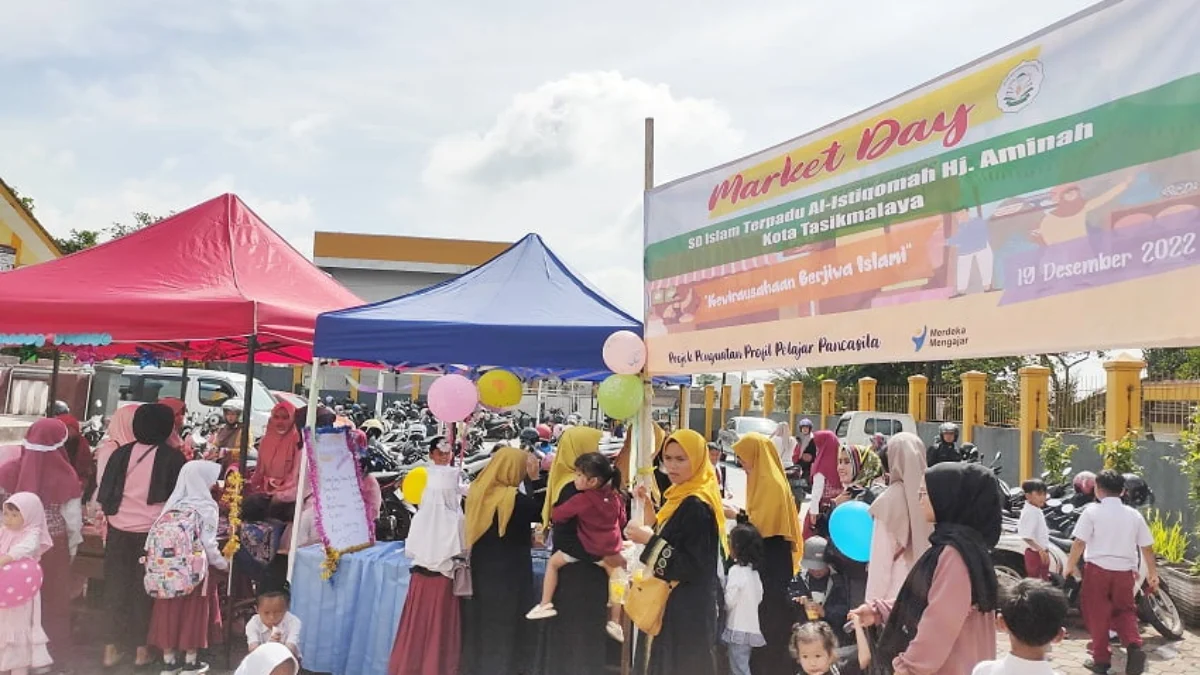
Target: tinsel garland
<point>333,556</point>
<point>233,498</point>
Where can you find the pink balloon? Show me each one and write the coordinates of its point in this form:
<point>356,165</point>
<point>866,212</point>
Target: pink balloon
<point>452,398</point>
<point>624,353</point>
<point>20,581</point>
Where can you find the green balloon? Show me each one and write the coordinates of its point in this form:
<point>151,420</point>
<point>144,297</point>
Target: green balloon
<point>620,396</point>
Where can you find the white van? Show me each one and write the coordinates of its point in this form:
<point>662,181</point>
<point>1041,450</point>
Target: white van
<point>207,390</point>
<point>857,427</point>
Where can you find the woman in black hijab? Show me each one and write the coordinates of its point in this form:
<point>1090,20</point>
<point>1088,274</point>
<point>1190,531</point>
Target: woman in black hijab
<point>135,483</point>
<point>943,621</point>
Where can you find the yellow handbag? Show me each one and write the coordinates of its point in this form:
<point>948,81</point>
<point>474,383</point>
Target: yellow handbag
<point>646,602</point>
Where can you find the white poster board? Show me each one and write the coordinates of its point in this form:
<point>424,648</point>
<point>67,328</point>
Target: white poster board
<point>341,510</point>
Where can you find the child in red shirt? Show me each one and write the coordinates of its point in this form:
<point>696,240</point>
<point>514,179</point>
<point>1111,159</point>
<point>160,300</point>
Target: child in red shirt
<point>599,513</point>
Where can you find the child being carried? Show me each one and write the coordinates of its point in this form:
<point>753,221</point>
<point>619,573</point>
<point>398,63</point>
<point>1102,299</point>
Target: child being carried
<point>599,513</point>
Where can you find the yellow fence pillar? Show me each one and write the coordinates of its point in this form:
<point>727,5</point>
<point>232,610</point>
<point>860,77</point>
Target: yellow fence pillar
<point>918,391</point>
<point>355,375</point>
<point>726,400</point>
<point>1035,412</point>
<point>796,404</point>
<point>1123,397</point>
<point>297,379</point>
<point>685,407</point>
<point>416,387</point>
<point>974,389</point>
<point>828,400</point>
<point>745,399</point>
<point>768,399</point>
<point>866,393</point>
<point>710,396</point>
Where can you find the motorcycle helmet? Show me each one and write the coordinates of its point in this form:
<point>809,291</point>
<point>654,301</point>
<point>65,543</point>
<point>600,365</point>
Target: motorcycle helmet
<point>805,423</point>
<point>558,431</point>
<point>947,428</point>
<point>60,408</point>
<point>373,428</point>
<point>530,436</point>
<point>574,420</point>
<point>1084,483</point>
<point>1137,492</point>
<point>544,432</point>
<point>233,405</point>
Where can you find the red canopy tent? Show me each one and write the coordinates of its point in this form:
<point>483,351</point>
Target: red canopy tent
<point>215,274</point>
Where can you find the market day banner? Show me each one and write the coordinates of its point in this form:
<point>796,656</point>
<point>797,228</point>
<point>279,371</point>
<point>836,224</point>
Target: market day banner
<point>1045,198</point>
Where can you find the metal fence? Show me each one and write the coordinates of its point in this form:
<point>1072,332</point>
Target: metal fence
<point>893,399</point>
<point>1168,408</point>
<point>944,402</point>
<point>1077,404</point>
<point>1002,405</point>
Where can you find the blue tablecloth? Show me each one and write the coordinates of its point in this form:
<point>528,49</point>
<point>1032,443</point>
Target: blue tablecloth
<point>349,622</point>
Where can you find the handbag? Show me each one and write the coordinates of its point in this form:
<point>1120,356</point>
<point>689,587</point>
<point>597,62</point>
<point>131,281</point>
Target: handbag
<point>461,577</point>
<point>646,602</point>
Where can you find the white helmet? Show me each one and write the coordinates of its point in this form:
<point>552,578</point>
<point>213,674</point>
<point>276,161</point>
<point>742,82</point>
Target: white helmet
<point>234,404</point>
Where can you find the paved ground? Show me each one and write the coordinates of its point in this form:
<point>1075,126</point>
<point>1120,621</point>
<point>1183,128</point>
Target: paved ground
<point>1178,658</point>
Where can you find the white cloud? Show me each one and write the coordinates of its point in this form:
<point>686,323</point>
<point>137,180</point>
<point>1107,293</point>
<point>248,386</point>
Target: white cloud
<point>566,160</point>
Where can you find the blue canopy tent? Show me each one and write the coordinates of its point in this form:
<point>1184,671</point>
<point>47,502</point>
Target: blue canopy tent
<point>523,310</point>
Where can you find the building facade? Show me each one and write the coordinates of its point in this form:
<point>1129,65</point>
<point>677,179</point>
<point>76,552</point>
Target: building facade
<point>378,266</point>
<point>23,241</point>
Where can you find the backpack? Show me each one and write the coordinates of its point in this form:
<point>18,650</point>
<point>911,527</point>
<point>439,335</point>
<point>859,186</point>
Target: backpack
<point>175,559</point>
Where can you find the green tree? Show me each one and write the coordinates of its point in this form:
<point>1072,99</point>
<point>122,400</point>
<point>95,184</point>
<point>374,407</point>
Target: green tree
<point>78,240</point>
<point>1172,363</point>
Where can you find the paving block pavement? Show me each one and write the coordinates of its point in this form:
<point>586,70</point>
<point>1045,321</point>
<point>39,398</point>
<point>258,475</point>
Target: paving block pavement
<point>1178,658</point>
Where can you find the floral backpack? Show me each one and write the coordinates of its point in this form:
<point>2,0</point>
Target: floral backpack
<point>175,560</point>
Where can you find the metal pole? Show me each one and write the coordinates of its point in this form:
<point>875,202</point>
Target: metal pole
<point>380,381</point>
<point>183,378</point>
<point>310,422</point>
<point>52,391</point>
<point>248,400</point>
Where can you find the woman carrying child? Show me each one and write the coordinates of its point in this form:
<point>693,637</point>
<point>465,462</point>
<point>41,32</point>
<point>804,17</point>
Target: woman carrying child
<point>24,536</point>
<point>599,512</point>
<point>182,624</point>
<point>771,508</point>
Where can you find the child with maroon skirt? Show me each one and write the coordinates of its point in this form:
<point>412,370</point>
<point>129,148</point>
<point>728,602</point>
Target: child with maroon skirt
<point>183,624</point>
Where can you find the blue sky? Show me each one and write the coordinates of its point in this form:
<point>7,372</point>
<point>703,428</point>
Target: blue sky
<point>466,119</point>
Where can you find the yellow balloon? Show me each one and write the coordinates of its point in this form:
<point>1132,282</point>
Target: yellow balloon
<point>499,389</point>
<point>414,485</point>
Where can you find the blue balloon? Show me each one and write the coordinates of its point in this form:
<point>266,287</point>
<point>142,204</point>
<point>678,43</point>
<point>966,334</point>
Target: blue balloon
<point>851,527</point>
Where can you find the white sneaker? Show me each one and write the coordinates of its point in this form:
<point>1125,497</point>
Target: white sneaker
<point>615,631</point>
<point>542,612</point>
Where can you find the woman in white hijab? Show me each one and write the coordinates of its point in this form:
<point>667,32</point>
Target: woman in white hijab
<point>784,443</point>
<point>271,658</point>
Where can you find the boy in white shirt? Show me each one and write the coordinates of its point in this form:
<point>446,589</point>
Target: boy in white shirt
<point>1032,612</point>
<point>1033,529</point>
<point>273,622</point>
<point>1109,537</point>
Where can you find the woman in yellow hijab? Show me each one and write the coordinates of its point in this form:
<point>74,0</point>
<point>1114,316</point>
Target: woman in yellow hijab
<point>684,540</point>
<point>574,443</point>
<point>498,530</point>
<point>771,509</point>
<point>574,641</point>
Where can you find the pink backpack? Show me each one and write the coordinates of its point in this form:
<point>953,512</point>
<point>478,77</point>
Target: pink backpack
<point>175,560</point>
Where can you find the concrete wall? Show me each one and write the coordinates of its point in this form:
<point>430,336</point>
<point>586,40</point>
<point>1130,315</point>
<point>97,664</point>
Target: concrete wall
<point>376,285</point>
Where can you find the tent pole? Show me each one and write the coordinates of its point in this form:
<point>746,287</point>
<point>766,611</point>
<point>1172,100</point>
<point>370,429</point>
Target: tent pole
<point>52,391</point>
<point>380,381</point>
<point>248,400</point>
<point>314,400</point>
<point>183,376</point>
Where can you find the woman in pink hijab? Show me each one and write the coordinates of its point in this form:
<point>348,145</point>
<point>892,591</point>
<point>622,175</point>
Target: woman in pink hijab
<point>278,470</point>
<point>119,433</point>
<point>901,532</point>
<point>826,484</point>
<point>42,469</point>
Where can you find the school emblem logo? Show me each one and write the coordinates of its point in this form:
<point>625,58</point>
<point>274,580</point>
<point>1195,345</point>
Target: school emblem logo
<point>1020,87</point>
